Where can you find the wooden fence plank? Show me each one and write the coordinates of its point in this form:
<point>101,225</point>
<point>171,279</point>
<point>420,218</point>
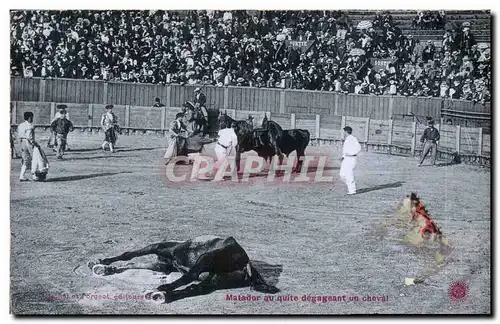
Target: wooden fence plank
<point>469,140</point>
<point>447,141</point>
<point>298,101</point>
<point>465,140</point>
<point>380,131</point>
<point>414,138</point>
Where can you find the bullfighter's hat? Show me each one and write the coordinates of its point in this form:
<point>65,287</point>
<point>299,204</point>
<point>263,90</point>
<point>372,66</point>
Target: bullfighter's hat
<point>27,115</point>
<point>348,129</point>
<point>109,107</point>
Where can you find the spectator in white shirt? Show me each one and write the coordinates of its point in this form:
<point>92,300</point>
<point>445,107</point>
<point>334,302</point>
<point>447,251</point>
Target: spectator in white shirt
<point>393,89</point>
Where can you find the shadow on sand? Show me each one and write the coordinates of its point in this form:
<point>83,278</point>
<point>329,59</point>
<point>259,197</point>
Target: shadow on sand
<point>443,164</point>
<point>93,157</point>
<point>380,187</point>
<point>265,173</point>
<point>117,149</point>
<point>327,168</point>
<point>86,176</point>
<point>270,272</point>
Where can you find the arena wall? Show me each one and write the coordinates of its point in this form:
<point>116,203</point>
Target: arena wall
<point>464,113</point>
<point>388,135</point>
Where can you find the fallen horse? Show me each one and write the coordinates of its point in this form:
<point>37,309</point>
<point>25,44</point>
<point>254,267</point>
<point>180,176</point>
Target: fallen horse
<point>217,263</point>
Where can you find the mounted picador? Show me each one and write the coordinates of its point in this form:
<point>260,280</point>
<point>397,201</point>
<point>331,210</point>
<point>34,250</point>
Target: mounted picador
<point>200,101</point>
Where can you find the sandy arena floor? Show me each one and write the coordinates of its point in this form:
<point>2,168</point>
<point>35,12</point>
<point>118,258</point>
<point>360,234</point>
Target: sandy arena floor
<point>308,239</point>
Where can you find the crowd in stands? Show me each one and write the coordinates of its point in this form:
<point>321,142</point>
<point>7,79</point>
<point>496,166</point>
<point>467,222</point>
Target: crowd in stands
<point>249,48</point>
<point>429,20</point>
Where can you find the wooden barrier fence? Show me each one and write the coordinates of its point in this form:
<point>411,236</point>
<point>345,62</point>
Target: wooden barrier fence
<point>392,136</point>
<point>283,101</point>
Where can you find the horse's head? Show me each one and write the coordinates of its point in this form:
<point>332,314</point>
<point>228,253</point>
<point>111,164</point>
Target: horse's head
<point>189,105</point>
<point>188,113</point>
<point>265,122</point>
<point>224,120</point>
<point>250,120</point>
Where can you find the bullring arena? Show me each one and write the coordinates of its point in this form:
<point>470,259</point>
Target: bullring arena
<point>308,239</point>
<point>384,74</point>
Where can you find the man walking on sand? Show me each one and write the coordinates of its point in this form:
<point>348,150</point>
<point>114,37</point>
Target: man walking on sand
<point>61,127</point>
<point>430,137</point>
<point>53,136</point>
<point>26,137</point>
<point>349,159</point>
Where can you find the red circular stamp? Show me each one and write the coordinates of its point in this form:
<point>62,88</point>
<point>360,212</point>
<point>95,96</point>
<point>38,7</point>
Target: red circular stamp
<point>458,291</point>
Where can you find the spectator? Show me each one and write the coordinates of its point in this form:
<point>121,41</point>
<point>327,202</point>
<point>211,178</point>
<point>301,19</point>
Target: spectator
<point>158,103</point>
<point>243,49</point>
<point>428,52</point>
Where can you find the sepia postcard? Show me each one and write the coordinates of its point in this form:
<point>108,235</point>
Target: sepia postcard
<point>250,162</point>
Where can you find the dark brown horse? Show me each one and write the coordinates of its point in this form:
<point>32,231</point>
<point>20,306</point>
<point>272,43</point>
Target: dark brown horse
<point>275,136</point>
<point>216,262</point>
<point>284,142</point>
<point>244,132</point>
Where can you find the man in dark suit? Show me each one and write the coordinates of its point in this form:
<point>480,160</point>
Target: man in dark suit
<point>61,127</point>
<point>430,137</point>
<point>466,40</point>
<point>158,103</point>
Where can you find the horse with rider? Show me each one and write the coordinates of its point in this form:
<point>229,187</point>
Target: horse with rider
<point>268,140</point>
<point>197,113</point>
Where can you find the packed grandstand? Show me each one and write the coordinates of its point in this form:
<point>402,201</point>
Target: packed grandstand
<point>314,50</point>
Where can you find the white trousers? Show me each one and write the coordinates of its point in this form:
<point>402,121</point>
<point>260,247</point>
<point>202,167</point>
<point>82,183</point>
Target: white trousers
<point>221,154</point>
<point>171,149</point>
<point>347,173</point>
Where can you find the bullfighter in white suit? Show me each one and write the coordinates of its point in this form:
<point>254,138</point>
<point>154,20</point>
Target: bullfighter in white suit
<point>349,159</point>
<point>226,143</point>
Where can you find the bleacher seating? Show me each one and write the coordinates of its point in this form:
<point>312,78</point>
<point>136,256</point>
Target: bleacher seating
<point>313,50</point>
<point>480,21</point>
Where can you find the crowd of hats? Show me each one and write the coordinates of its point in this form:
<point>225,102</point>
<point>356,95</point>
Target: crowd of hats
<point>429,20</point>
<point>242,48</point>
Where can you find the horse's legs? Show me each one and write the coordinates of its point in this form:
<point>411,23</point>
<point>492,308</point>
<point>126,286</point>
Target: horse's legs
<point>235,279</point>
<point>278,152</point>
<point>203,264</point>
<point>205,287</point>
<point>265,161</point>
<point>101,269</point>
<point>150,249</point>
<point>300,155</point>
<point>205,128</point>
<point>238,159</point>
